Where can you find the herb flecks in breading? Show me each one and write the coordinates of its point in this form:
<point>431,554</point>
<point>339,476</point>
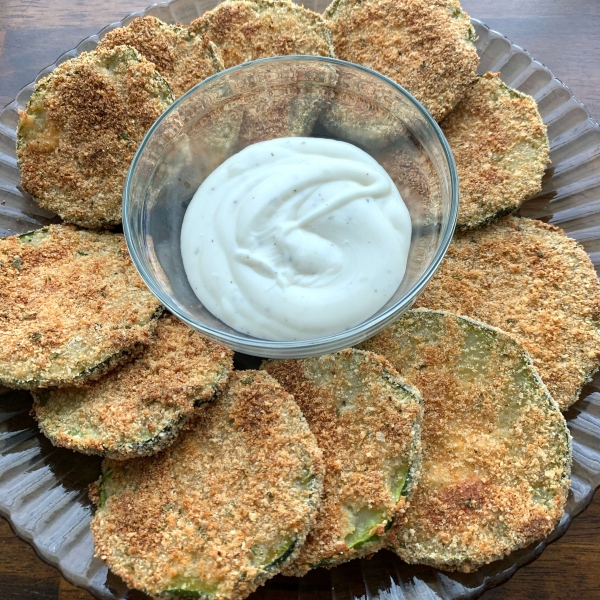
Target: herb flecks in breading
<point>496,449</point>
<point>141,408</point>
<point>367,423</point>
<point>73,307</point>
<point>221,510</point>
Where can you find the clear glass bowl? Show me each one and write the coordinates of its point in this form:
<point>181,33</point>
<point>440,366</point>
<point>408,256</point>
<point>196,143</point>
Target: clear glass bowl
<point>43,490</point>
<point>312,96</point>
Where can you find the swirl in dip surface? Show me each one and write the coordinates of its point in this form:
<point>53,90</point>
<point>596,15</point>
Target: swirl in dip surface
<point>296,238</point>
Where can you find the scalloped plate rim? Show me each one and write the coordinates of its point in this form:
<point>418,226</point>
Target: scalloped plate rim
<point>488,583</point>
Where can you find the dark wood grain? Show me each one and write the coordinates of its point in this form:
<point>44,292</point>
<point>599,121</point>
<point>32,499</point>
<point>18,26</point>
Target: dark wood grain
<point>563,34</point>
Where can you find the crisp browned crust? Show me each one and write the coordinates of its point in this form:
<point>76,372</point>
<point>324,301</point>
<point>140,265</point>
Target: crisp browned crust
<point>81,129</point>
<point>246,31</point>
<point>139,409</point>
<point>180,56</point>
<point>496,449</point>
<point>224,507</point>
<point>501,150</point>
<point>424,45</point>
<point>72,306</point>
<point>243,31</point>
<point>367,423</point>
<point>532,281</point>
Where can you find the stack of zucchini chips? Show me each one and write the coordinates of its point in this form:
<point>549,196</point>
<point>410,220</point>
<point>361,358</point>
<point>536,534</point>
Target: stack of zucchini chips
<point>441,438</point>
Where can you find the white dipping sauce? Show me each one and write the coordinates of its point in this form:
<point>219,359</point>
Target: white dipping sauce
<point>296,238</point>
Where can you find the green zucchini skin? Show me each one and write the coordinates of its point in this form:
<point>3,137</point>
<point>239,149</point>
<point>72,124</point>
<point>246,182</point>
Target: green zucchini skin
<point>367,421</point>
<point>74,307</point>
<point>269,570</point>
<point>164,438</point>
<point>139,409</point>
<point>496,448</point>
<point>208,509</point>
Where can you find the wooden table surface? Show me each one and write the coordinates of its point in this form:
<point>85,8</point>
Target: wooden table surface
<point>563,34</point>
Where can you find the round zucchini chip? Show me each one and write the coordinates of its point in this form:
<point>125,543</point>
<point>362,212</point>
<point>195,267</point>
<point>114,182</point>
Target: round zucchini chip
<point>500,146</point>
<point>496,449</point>
<point>141,408</point>
<point>73,307</point>
<point>181,57</point>
<point>246,30</point>
<point>367,422</point>
<point>81,129</point>
<point>531,280</point>
<point>424,45</point>
<point>221,510</point>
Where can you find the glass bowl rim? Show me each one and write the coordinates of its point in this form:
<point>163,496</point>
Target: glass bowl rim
<point>336,341</point>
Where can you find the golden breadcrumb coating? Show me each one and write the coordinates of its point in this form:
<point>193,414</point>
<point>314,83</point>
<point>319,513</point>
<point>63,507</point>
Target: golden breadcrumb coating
<point>528,279</point>
<point>424,45</point>
<point>500,146</point>
<point>221,510</point>
<point>367,422</point>
<point>180,56</point>
<point>244,30</point>
<point>72,306</point>
<point>81,129</point>
<point>496,449</point>
<point>141,408</point>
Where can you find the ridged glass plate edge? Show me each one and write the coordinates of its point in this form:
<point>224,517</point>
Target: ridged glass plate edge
<point>54,518</point>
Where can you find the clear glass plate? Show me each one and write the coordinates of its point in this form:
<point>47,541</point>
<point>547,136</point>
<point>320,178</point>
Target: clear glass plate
<point>43,490</point>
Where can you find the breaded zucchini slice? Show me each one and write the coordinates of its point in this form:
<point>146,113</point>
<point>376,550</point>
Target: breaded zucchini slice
<point>180,56</point>
<point>247,30</point>
<point>72,307</point>
<point>221,510</point>
<point>244,31</point>
<point>424,45</point>
<point>529,279</point>
<point>496,449</point>
<point>81,128</point>
<point>141,408</point>
<point>367,422</point>
<point>500,146</point>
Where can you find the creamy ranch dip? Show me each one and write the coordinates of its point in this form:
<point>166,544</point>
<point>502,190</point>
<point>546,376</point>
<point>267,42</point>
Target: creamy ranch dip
<point>296,238</point>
